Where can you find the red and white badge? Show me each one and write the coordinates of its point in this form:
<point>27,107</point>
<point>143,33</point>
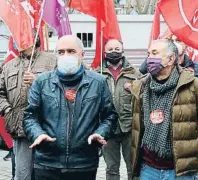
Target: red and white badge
<point>70,95</point>
<point>157,116</point>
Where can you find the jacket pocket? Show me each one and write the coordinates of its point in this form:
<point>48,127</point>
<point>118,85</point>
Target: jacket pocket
<point>12,80</point>
<point>89,107</point>
<point>90,100</point>
<point>87,99</point>
<point>50,99</point>
<point>48,148</point>
<point>89,151</point>
<point>125,97</point>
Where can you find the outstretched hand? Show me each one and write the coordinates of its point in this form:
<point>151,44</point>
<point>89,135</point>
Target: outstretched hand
<point>97,137</point>
<point>43,137</point>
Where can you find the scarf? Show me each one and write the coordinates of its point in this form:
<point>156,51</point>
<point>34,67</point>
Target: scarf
<point>156,96</point>
<point>71,80</point>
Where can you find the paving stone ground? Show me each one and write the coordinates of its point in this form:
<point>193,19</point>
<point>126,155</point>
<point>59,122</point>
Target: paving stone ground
<point>5,169</point>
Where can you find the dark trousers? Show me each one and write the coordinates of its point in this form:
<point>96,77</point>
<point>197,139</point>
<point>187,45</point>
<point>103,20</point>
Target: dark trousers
<point>13,163</point>
<point>45,174</point>
<point>112,155</point>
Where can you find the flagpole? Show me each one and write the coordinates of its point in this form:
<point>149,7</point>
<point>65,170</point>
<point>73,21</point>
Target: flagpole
<point>37,33</point>
<point>101,50</point>
<point>47,37</point>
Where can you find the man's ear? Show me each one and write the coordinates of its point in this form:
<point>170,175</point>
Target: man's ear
<point>172,60</point>
<point>82,56</point>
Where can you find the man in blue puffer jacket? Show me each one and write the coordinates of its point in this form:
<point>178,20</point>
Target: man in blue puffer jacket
<point>70,115</point>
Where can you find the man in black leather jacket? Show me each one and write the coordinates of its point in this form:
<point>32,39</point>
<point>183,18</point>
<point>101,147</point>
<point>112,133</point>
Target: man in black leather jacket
<point>69,116</point>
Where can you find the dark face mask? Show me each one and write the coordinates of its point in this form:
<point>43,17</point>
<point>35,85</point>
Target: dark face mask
<point>27,56</point>
<point>114,57</point>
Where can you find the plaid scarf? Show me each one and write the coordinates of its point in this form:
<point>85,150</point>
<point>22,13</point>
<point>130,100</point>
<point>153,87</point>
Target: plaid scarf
<point>157,96</point>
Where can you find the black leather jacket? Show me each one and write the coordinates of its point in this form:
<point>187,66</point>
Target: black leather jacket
<point>47,113</point>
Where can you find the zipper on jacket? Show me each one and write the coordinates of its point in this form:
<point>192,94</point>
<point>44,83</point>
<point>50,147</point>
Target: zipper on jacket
<point>113,86</point>
<point>67,148</point>
<point>171,127</point>
<point>138,146</point>
<point>69,128</point>
<point>141,129</point>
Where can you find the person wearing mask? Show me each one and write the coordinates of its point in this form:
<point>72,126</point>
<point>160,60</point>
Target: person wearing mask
<point>70,115</point>
<point>165,122</point>
<point>119,73</point>
<point>7,137</point>
<point>15,82</point>
<point>183,59</point>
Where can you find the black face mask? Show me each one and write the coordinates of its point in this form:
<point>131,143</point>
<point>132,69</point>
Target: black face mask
<point>114,57</point>
<point>28,56</point>
<point>25,56</point>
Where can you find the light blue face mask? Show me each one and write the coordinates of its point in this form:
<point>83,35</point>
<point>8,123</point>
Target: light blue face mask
<point>68,65</point>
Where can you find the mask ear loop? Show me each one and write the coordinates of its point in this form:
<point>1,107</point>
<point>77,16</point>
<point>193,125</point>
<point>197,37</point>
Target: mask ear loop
<point>175,62</point>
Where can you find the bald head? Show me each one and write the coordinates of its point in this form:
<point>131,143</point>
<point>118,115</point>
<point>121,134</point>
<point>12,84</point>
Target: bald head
<point>70,40</point>
<point>70,45</point>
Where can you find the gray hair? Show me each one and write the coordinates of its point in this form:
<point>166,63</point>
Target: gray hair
<point>172,48</point>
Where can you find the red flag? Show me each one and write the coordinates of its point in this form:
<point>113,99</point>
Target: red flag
<point>12,51</point>
<point>6,137</point>
<point>32,8</point>
<point>95,8</point>
<point>36,4</point>
<point>167,34</point>
<point>191,52</point>
<point>182,18</point>
<point>107,24</point>
<point>99,44</point>
<point>18,23</point>
<point>155,31</point>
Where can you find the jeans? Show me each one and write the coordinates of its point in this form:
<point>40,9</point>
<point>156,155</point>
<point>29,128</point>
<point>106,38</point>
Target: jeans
<point>150,173</point>
<point>45,174</point>
<point>112,155</point>
<point>23,159</point>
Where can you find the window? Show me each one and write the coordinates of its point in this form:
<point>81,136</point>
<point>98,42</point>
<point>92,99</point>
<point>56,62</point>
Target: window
<point>86,38</point>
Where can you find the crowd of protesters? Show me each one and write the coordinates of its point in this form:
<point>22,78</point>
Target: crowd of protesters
<point>61,115</point>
